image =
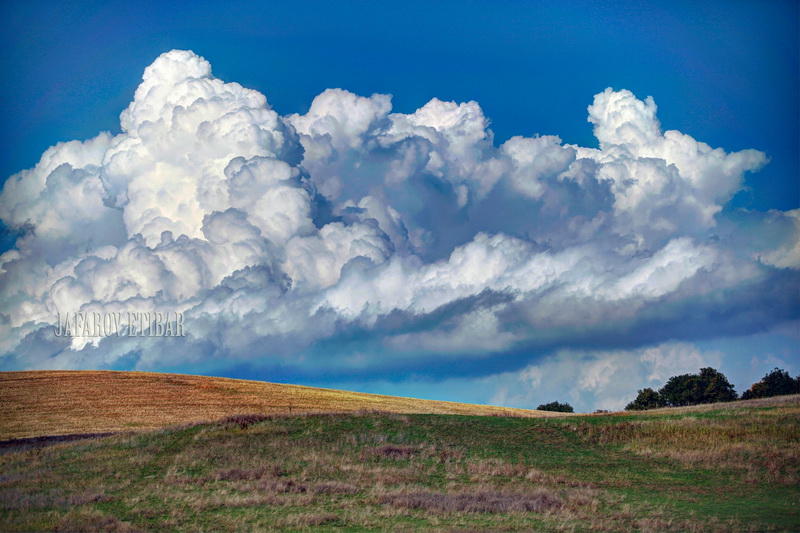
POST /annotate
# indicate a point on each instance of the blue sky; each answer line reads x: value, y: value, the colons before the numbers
x: 391, y: 244
x: 724, y: 72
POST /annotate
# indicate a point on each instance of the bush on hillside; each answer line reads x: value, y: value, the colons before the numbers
x: 555, y: 406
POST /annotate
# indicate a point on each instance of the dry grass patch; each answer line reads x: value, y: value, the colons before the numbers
x: 391, y: 451
x: 242, y: 474
x: 479, y: 470
x: 765, y: 444
x: 93, y: 521
x: 334, y: 487
x: 482, y: 501
x: 24, y: 500
x: 234, y: 500
x: 305, y: 520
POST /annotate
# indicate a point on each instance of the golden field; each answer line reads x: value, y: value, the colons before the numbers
x: 63, y: 402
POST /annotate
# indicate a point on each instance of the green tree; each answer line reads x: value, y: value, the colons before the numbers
x: 708, y: 386
x: 716, y: 387
x: 555, y: 406
x: 645, y: 399
x: 681, y: 390
x: 774, y: 383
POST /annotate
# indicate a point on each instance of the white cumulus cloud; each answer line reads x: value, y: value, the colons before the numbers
x: 413, y: 240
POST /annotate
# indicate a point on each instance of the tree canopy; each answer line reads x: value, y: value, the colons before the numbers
x: 775, y: 383
x: 645, y: 399
x: 708, y: 386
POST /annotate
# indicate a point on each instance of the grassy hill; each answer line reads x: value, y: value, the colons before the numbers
x: 61, y: 402
x: 725, y: 467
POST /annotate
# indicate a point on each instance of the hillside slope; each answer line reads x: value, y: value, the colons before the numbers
x: 62, y: 402
x: 724, y: 469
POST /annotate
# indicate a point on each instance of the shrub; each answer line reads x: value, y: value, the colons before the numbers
x: 555, y: 406
x: 646, y: 399
x: 775, y: 383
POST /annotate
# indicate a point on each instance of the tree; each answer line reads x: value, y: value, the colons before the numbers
x: 645, y: 399
x: 555, y: 406
x: 681, y: 390
x: 708, y: 386
x: 717, y: 388
x: 774, y: 383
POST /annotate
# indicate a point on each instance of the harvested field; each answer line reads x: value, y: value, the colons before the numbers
x: 38, y: 403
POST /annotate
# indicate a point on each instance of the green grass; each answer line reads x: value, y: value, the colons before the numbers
x: 726, y: 470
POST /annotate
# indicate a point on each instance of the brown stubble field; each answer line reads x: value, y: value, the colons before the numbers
x: 57, y: 402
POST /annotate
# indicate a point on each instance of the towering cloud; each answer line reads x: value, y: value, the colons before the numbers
x: 353, y: 241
